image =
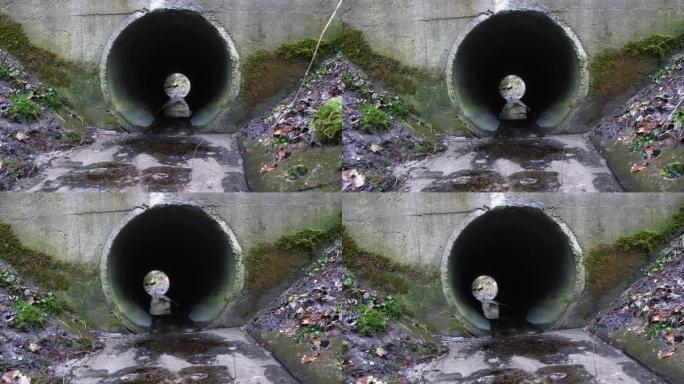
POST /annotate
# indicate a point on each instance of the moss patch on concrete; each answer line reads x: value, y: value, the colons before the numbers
x: 614, y: 72
x: 610, y: 265
x: 77, y: 286
x: 77, y: 85
x: 418, y: 290
x: 266, y: 73
x: 268, y: 265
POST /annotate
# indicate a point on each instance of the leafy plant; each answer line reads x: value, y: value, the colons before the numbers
x: 296, y: 172
x: 28, y: 317
x: 373, y: 119
x: 673, y: 171
x: 371, y: 321
x: 327, y: 122
x: 23, y: 109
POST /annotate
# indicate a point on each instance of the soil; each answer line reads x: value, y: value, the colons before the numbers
x: 35, y: 353
x: 319, y: 315
x: 26, y: 147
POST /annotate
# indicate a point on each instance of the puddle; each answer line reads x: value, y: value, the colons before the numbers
x: 166, y: 179
x: 167, y: 149
x: 542, y: 348
x: 519, y: 150
x: 535, y: 181
x: 183, y: 346
x: 106, y: 176
x: 560, y: 374
x: 469, y: 181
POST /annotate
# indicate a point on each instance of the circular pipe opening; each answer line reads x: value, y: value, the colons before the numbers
x: 543, y: 53
x: 533, y: 259
x: 150, y: 47
x: 196, y: 252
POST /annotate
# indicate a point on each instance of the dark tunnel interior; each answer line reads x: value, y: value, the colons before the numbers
x: 524, y: 43
x: 186, y: 244
x: 529, y: 256
x: 157, y: 45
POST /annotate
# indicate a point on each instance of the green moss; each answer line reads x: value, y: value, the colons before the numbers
x: 673, y: 171
x: 390, y: 72
x: 371, y: 321
x: 46, y: 65
x: 269, y: 265
x: 23, y: 109
x: 28, y: 317
x: 373, y: 119
x: 608, y: 265
x: 296, y: 172
x: 615, y: 71
x: 304, y: 49
x: 327, y: 122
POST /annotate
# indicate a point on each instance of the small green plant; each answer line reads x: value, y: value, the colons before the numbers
x: 373, y: 119
x: 49, y: 99
x: 304, y: 334
x: 371, y: 321
x: 50, y: 304
x: 640, y: 141
x: 659, y: 264
x: 391, y: 308
x: 28, y: 317
x: 318, y: 265
x: 296, y: 172
x: 657, y: 330
x: 673, y: 171
x: 327, y: 122
x: 398, y: 107
x: 23, y: 109
x: 5, y: 72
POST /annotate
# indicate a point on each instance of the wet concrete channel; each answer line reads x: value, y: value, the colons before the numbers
x: 216, y: 356
x: 147, y: 163
x: 562, y: 163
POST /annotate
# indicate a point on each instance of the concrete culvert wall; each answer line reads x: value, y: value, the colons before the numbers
x: 197, y: 252
x: 149, y: 47
x: 529, y: 44
x: 534, y: 260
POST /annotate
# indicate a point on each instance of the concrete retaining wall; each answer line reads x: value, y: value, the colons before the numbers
x: 415, y: 228
x: 75, y: 227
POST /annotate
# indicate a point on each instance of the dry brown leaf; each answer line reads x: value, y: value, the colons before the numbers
x: 283, y: 130
x: 21, y: 136
x: 33, y: 347
x: 283, y: 153
x: 636, y: 168
x: 365, y: 380
x: 310, y: 320
x: 310, y: 359
x: 376, y: 148
x: 665, y: 355
x: 268, y: 169
x: 381, y: 352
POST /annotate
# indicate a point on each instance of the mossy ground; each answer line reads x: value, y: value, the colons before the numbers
x: 614, y: 72
x: 77, y: 85
x: 610, y: 265
x: 268, y: 265
x: 77, y: 286
x: 327, y: 122
x: 417, y: 290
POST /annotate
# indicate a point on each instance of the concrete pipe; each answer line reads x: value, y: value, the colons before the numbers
x: 534, y: 259
x: 149, y: 47
x: 529, y: 44
x: 197, y: 252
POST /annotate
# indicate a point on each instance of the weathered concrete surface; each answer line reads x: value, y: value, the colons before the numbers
x: 415, y: 228
x: 567, y: 163
x: 217, y: 356
x: 570, y: 356
x: 146, y: 163
x: 79, y: 29
x: 421, y: 32
x: 75, y: 227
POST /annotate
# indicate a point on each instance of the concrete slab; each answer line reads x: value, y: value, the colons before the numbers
x: 147, y: 163
x: 567, y: 163
x: 217, y: 356
x: 569, y: 356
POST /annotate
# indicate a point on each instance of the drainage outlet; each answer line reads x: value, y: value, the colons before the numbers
x: 546, y: 55
x: 150, y: 47
x: 176, y: 253
x: 533, y: 259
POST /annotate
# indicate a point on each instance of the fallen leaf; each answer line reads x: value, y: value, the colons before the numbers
x: 365, y: 380
x: 310, y: 359
x: 268, y: 169
x: 310, y: 320
x: 33, y: 347
x: 380, y: 352
x: 636, y: 168
x: 352, y: 178
x: 665, y: 355
x: 283, y: 130
x: 21, y: 136
x: 283, y: 153
x: 376, y: 148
